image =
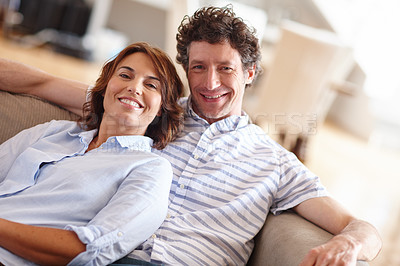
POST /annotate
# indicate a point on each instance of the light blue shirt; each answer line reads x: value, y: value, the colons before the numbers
x: 227, y: 177
x: 114, y: 197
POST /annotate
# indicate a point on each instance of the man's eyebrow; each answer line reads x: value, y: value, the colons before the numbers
x: 133, y: 71
x: 196, y: 61
x: 225, y: 62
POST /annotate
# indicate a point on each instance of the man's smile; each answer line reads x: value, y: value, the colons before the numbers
x: 213, y: 96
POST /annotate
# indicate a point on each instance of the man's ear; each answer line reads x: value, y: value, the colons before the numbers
x: 251, y: 73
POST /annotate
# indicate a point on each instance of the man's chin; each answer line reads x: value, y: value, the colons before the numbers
x: 210, y: 114
x: 212, y: 117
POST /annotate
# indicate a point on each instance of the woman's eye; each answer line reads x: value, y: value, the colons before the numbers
x: 125, y: 76
x: 150, y: 85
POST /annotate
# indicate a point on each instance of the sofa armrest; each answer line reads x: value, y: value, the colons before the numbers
x: 285, y: 239
x: 19, y: 111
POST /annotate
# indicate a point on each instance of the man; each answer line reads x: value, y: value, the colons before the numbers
x: 227, y: 173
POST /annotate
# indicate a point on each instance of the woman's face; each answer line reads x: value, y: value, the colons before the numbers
x: 133, y: 95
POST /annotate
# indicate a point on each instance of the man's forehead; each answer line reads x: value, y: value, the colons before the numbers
x: 223, y: 53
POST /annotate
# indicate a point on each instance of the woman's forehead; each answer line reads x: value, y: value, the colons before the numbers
x: 139, y: 62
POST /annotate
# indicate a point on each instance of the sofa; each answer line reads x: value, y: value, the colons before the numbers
x: 284, y: 239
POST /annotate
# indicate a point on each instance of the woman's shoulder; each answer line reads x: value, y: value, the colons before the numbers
x: 63, y: 125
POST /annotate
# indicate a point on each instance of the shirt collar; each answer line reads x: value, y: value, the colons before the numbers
x: 136, y: 142
x: 139, y: 143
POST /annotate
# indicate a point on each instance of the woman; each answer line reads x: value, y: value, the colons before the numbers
x: 90, y: 192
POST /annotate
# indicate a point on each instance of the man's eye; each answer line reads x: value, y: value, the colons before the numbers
x: 197, y: 67
x: 227, y: 69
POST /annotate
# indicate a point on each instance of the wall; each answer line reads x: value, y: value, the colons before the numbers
x: 302, y: 11
x: 138, y: 21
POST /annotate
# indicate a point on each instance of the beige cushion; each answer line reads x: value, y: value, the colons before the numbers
x: 18, y: 112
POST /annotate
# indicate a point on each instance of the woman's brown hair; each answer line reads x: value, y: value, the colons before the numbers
x: 162, y: 129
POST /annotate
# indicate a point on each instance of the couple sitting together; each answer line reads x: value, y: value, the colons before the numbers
x: 148, y: 177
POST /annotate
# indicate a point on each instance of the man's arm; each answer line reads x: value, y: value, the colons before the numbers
x: 42, y: 245
x: 19, y: 78
x: 354, y: 239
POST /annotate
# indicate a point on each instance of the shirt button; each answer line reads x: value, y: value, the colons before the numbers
x: 120, y: 234
x: 182, y: 186
x: 112, y: 140
x: 153, y: 236
x: 196, y: 157
x: 168, y: 216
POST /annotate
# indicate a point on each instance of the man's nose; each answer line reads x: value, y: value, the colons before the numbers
x: 213, y: 79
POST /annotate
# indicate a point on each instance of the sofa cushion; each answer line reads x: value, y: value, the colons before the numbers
x: 20, y: 111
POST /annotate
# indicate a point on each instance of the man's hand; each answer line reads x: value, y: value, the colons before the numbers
x: 340, y: 250
x: 354, y: 239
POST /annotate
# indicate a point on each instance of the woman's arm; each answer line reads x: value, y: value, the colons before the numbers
x: 42, y: 245
x: 131, y: 216
x: 20, y: 78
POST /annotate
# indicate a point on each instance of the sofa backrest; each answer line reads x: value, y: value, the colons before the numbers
x: 20, y: 111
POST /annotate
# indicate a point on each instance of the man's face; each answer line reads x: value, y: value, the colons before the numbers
x: 216, y: 80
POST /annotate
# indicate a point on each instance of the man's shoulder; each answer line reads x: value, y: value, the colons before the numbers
x: 183, y: 101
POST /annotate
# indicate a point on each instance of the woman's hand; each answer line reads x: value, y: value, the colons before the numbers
x: 41, y: 245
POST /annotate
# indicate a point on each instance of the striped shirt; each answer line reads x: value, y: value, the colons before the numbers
x: 227, y: 177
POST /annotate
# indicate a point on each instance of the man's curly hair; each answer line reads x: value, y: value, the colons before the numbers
x: 217, y: 25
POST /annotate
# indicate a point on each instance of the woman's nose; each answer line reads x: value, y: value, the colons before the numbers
x: 136, y: 89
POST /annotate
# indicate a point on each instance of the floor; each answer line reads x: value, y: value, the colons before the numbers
x: 363, y: 177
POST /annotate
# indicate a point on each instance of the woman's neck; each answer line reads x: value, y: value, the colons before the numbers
x: 110, y: 128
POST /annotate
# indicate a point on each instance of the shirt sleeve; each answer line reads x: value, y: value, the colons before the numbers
x: 296, y: 184
x: 132, y: 215
x: 13, y: 147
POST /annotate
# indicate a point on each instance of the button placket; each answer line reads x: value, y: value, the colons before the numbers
x: 191, y: 166
x: 192, y: 162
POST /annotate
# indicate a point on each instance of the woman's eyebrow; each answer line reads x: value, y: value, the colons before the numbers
x: 127, y: 68
x: 133, y: 71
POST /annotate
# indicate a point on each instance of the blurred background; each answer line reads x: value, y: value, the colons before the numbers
x: 328, y: 91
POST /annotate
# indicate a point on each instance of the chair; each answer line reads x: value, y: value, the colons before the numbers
x: 293, y: 98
